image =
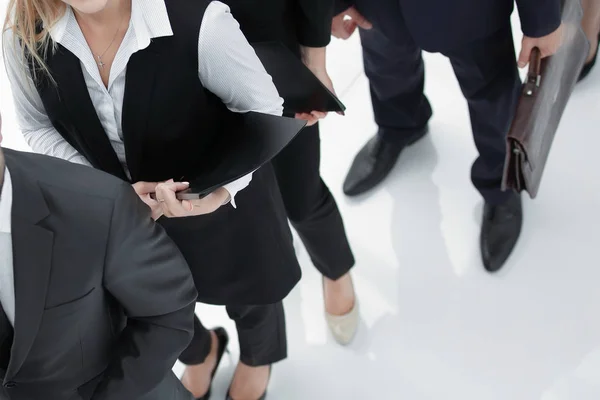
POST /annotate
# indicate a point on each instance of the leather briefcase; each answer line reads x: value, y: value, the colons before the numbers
x: 546, y: 91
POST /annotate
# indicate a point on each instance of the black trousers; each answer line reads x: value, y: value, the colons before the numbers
x: 261, y: 332
x: 487, y: 73
x: 310, y: 206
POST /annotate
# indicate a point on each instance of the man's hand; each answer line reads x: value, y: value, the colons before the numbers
x: 144, y: 190
x: 548, y: 45
x: 344, y: 24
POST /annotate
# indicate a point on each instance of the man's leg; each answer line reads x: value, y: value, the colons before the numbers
x: 395, y: 69
x: 487, y: 72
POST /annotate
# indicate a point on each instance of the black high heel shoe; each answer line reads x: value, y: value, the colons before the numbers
x: 264, y: 395
x: 223, y: 341
x: 587, y: 68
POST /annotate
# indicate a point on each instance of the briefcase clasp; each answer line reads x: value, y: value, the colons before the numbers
x: 533, y: 82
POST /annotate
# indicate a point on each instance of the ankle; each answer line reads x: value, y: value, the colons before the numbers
x: 214, y: 342
x: 342, y: 285
x: 249, y: 382
x: 593, y: 51
x: 339, y: 295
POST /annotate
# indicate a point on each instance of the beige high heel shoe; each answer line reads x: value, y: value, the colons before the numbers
x: 343, y: 327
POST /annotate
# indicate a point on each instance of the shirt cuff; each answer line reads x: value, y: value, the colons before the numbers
x: 236, y: 186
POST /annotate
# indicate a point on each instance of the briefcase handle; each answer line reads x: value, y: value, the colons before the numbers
x: 534, y: 76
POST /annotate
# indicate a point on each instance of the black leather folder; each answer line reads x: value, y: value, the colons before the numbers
x: 300, y: 89
x: 247, y: 142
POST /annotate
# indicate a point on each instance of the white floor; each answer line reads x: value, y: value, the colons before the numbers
x: 435, y: 325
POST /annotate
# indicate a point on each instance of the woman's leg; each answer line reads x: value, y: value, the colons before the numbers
x: 262, y: 336
x: 591, y: 24
x: 314, y: 214
x: 200, y: 358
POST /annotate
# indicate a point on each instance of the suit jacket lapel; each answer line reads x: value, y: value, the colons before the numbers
x: 137, y: 103
x: 88, y: 133
x: 32, y: 259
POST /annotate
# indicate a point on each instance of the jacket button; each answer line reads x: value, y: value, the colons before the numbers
x: 10, y: 385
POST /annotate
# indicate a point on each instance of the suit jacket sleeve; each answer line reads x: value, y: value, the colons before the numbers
x: 148, y: 276
x: 314, y: 22
x: 539, y: 17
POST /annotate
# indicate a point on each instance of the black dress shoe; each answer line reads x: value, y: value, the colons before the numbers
x: 223, y: 340
x: 587, y: 68
x: 500, y: 231
x: 374, y: 162
x: 264, y: 395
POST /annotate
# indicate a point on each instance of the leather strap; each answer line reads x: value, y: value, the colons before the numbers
x: 535, y: 62
x: 534, y: 76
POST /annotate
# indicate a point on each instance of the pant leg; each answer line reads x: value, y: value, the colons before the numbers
x: 394, y: 66
x: 199, y: 347
x: 261, y: 331
x: 487, y: 72
x: 310, y: 206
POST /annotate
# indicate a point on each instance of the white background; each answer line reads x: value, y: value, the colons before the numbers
x: 434, y: 324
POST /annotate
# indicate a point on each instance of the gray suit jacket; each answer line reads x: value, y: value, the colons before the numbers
x: 104, y: 300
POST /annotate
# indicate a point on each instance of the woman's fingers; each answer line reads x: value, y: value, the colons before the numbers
x: 312, y: 118
x: 166, y: 195
x: 210, y: 203
x: 318, y: 114
x: 142, y: 188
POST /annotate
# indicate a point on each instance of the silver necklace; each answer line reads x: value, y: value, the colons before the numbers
x: 99, y: 61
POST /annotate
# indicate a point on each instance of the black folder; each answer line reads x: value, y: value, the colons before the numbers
x: 300, y: 89
x: 247, y: 142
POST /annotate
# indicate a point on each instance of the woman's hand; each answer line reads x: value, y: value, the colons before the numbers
x: 144, y: 190
x: 174, y: 208
x: 314, y: 58
x: 312, y: 118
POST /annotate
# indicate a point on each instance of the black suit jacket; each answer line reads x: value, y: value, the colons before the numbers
x: 104, y: 300
x: 313, y: 22
x: 293, y: 22
x: 441, y: 25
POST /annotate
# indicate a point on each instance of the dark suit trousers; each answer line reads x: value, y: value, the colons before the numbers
x: 310, y: 206
x: 487, y: 73
x: 261, y: 332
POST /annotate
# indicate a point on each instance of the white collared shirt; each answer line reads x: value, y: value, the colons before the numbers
x: 227, y: 66
x: 7, y: 283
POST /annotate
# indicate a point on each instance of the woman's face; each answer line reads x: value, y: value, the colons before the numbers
x: 87, y: 6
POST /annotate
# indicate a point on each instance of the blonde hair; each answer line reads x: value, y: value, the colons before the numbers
x: 30, y: 22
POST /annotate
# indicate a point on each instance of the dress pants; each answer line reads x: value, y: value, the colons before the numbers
x: 486, y: 70
x: 310, y: 206
x: 261, y: 331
